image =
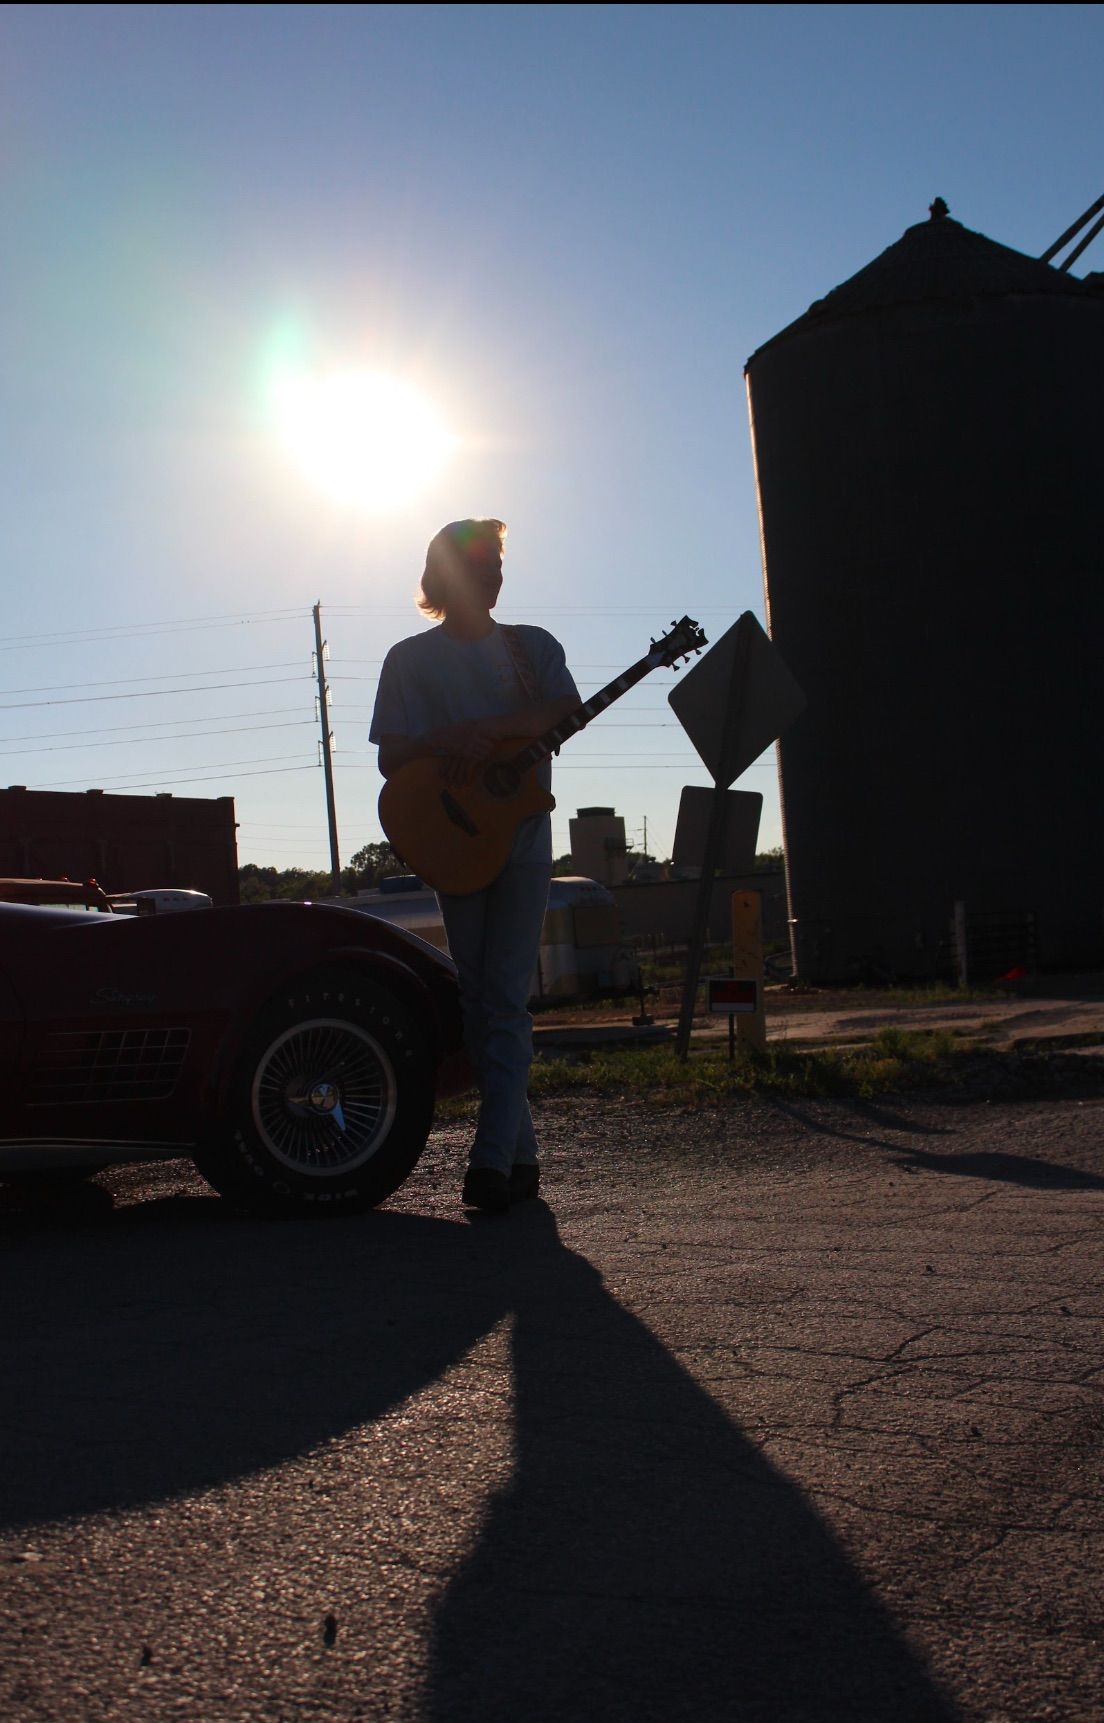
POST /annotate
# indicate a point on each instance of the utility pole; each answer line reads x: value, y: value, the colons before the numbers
x: 327, y: 747
x: 646, y: 837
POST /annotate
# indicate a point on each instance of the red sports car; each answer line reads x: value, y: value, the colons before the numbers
x: 293, y: 1050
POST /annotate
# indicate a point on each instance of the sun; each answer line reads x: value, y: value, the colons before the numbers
x: 368, y: 440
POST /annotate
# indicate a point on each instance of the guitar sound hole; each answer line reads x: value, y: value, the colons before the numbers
x: 457, y: 815
x: 501, y: 779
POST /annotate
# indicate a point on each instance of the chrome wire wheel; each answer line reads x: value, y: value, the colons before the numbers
x: 324, y: 1097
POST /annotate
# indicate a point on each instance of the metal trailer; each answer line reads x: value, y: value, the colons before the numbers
x: 928, y: 463
x: 582, y: 952
x: 155, y: 900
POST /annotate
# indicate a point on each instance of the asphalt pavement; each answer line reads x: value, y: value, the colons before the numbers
x: 785, y: 1413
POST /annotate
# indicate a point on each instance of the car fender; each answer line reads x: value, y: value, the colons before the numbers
x: 12, y: 1030
x: 376, y: 965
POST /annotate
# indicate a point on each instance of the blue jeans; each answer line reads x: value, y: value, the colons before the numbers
x: 493, y: 937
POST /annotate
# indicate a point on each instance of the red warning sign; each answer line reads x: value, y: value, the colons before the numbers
x: 729, y: 996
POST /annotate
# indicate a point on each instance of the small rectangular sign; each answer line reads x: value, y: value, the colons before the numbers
x: 740, y: 832
x: 729, y: 996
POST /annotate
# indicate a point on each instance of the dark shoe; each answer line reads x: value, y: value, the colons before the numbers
x: 524, y: 1182
x: 487, y: 1189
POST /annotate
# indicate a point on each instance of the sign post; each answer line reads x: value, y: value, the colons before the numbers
x: 732, y: 705
x: 734, y: 997
x: 734, y: 695
x: 747, y: 959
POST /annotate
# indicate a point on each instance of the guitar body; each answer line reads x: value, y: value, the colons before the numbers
x: 458, y: 837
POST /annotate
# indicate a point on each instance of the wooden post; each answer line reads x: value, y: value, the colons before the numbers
x: 327, y: 755
x: 962, y: 953
x: 747, y: 962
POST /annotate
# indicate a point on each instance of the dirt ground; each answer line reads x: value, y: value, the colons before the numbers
x: 1061, y: 1011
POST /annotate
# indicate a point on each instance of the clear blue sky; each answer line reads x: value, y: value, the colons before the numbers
x: 569, y: 225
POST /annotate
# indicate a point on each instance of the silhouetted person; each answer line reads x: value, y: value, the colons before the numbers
x: 454, y: 692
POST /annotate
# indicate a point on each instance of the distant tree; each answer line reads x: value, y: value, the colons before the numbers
x: 769, y: 861
x: 262, y: 884
x: 373, y: 863
x: 366, y: 868
x: 564, y: 865
x: 634, y: 856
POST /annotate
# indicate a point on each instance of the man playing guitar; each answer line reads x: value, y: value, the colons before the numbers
x: 454, y: 692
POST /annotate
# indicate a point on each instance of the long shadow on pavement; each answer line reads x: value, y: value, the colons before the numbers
x: 811, y: 1116
x: 645, y: 1562
x: 1007, y: 1169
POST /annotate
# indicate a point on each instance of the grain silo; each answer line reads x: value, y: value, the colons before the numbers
x: 928, y: 453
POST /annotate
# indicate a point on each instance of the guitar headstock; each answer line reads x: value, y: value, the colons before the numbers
x: 681, y: 639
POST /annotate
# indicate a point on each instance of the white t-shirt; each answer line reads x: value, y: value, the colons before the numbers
x: 431, y: 679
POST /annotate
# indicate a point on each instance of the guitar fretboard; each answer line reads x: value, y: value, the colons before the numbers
x: 581, y: 717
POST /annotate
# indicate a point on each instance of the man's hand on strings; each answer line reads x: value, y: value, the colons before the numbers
x: 465, y: 747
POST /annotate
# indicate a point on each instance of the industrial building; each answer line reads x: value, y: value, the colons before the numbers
x: 928, y: 462
x: 598, y: 847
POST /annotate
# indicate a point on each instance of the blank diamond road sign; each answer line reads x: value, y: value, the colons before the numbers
x: 768, y: 703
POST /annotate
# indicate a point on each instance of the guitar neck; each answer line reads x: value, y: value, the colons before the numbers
x: 578, y: 720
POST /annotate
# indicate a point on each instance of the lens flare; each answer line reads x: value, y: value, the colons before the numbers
x: 368, y: 440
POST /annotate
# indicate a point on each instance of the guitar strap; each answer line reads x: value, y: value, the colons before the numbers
x: 523, y: 664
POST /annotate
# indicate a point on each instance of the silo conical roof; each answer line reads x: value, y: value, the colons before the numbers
x: 936, y: 259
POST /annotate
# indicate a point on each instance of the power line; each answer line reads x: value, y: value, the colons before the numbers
x: 220, y: 778
x: 149, y: 694
x: 372, y: 681
x: 606, y: 756
x: 576, y: 664
x: 109, y: 631
x: 674, y: 725
x: 114, y: 729
x: 278, y: 826
x: 284, y: 842
x: 647, y: 766
x: 613, y: 763
x: 345, y: 709
x: 538, y: 609
x: 146, y: 741
x: 223, y: 768
x: 285, y: 848
x: 166, y: 676
x: 641, y: 763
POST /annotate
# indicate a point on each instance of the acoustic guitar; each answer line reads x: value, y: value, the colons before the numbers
x: 458, y: 837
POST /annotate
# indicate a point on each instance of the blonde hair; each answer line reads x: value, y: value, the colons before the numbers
x: 452, y: 549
